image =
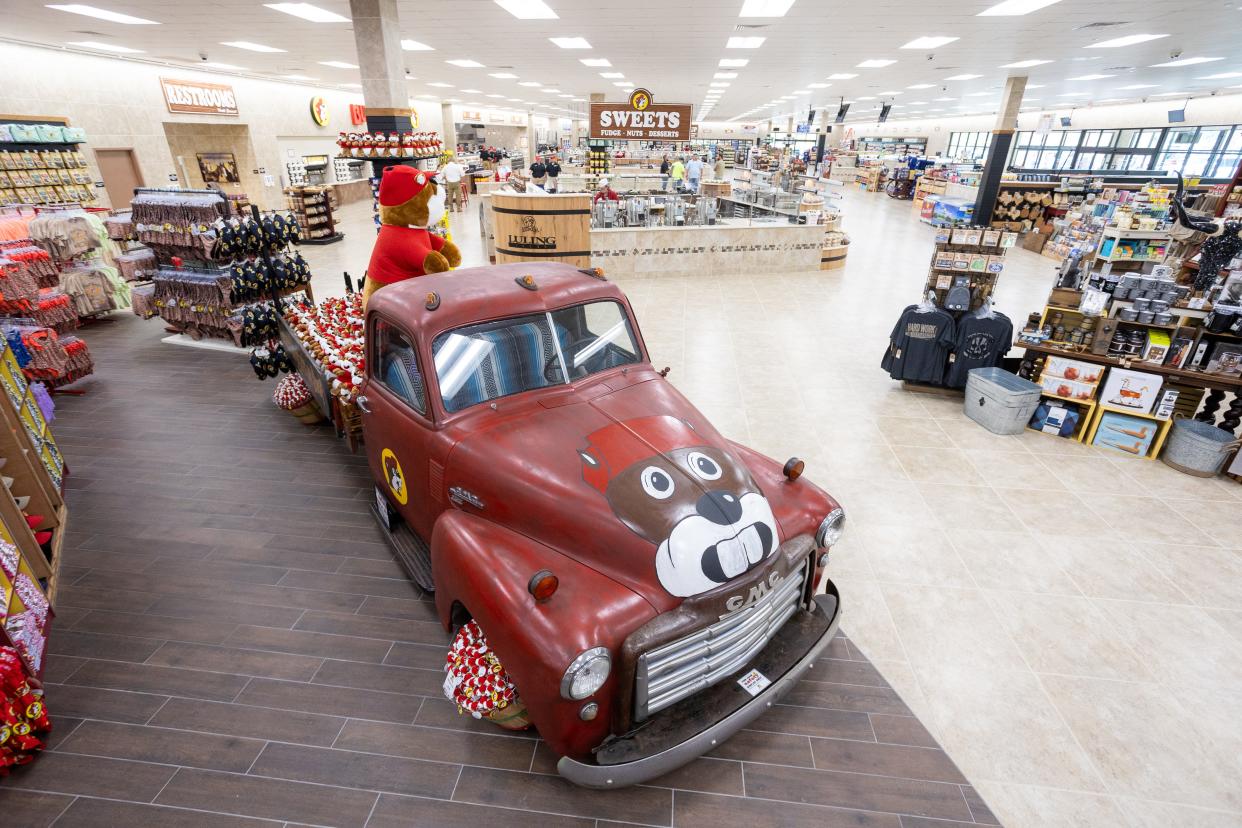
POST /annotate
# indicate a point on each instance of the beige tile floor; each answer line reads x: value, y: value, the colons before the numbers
x: 1064, y: 619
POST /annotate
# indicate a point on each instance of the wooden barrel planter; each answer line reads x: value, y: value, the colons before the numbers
x: 833, y: 258
x: 546, y: 228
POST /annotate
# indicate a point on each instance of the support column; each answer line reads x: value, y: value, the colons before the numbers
x: 998, y: 152
x: 377, y: 36
x: 448, y: 127
x: 530, y: 137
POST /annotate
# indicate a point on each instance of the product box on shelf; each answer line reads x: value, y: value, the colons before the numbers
x: 1067, y: 389
x: 1168, y: 401
x: 1072, y: 369
x: 1053, y: 418
x: 1135, y: 390
x: 1121, y: 432
x: 1157, y: 347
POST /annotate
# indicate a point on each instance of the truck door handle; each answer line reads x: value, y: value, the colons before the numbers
x: 362, y: 404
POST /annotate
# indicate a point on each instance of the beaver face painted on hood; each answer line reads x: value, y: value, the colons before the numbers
x: 696, y: 503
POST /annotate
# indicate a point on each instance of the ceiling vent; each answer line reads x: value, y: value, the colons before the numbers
x: 750, y: 27
x: 1101, y: 25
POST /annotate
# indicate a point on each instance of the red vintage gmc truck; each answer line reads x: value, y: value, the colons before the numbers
x: 649, y: 585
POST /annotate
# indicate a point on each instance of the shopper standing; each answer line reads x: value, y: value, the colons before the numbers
x: 694, y: 173
x: 451, y: 174
x: 664, y: 168
x: 720, y: 168
x: 678, y: 174
x: 538, y: 171
x: 554, y: 173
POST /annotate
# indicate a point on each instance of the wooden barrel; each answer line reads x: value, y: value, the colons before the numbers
x: 542, y: 228
x: 833, y: 258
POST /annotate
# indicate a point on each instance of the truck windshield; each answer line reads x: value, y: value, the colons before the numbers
x: 495, y: 359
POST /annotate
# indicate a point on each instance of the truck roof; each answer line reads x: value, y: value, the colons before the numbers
x: 477, y: 294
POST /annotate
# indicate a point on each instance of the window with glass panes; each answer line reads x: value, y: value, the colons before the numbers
x: 1200, y: 151
x: 968, y: 146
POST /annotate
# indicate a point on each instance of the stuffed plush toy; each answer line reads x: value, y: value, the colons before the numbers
x: 410, y: 202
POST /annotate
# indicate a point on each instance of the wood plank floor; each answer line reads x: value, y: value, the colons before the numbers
x: 235, y: 646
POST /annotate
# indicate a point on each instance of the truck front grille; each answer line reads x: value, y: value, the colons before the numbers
x: 673, y: 671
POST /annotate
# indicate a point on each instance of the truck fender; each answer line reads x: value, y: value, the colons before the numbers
x: 799, y: 505
x: 487, y: 568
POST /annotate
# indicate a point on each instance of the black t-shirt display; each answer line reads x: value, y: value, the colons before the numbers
x: 919, y: 345
x: 980, y: 342
x: 538, y: 170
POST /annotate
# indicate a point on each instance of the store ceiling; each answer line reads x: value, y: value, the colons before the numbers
x: 673, y: 47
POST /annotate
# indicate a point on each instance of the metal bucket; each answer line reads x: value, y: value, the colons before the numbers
x: 1198, y: 448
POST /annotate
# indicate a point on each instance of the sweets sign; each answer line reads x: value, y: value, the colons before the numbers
x: 640, y: 119
x: 199, y: 98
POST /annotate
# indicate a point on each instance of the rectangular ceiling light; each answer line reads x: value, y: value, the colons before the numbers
x: 495, y: 96
x: 550, y: 90
x: 765, y: 8
x: 1091, y: 77
x: 745, y: 42
x: 818, y: 85
x: 611, y: 75
x: 415, y: 46
x: 337, y: 64
x: 441, y: 85
x: 879, y: 63
x: 962, y: 77
x: 250, y: 47
x: 719, y: 84
x: 1128, y: 40
x: 527, y: 9
x: 1188, y: 61
x: 465, y: 63
x: 308, y: 12
x: 1013, y: 8
x: 929, y: 42
x: 502, y: 75
x: 724, y: 75
x: 1140, y: 86
x: 472, y: 91
x: 594, y: 62
x: 733, y: 63
x: 921, y: 86
x: 530, y: 83
x: 1024, y: 64
x: 105, y: 47
x: 571, y: 42
x: 104, y: 14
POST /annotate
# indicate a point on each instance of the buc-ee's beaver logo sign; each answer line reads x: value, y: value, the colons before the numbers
x: 696, y: 503
x: 394, y: 476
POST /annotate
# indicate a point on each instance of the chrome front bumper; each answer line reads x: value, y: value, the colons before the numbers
x: 657, y: 764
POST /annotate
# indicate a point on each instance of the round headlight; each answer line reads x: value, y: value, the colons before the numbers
x: 586, y: 674
x: 829, y: 532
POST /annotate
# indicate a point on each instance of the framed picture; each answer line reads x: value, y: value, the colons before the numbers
x: 217, y: 167
x: 1231, y: 291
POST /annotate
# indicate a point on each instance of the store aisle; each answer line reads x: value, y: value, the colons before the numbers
x: 234, y: 643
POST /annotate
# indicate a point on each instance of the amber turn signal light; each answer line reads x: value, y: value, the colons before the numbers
x: 793, y: 468
x: 527, y: 282
x: 542, y: 585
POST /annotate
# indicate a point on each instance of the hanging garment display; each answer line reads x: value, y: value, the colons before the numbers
x: 919, y: 345
x: 981, y: 341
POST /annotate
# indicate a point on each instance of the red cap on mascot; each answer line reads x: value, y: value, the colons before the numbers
x: 401, y: 183
x: 617, y: 446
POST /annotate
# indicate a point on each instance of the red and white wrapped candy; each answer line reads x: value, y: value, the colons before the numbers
x: 475, y: 680
x: 291, y: 392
